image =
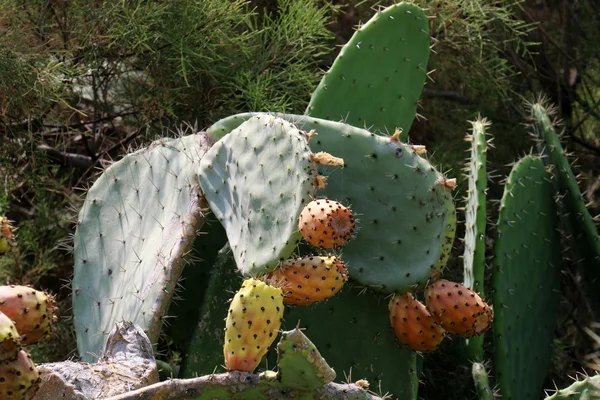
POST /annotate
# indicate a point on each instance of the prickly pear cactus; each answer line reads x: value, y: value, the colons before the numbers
x: 580, y: 226
x: 257, y: 180
x: 583, y: 389
x: 526, y: 270
x: 138, y: 222
x: 475, y: 221
x: 385, y: 61
x: 408, y: 220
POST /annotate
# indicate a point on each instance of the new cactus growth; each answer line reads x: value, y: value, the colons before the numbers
x: 526, y: 271
x: 32, y: 311
x: 10, y: 341
x: 252, y: 324
x: 17, y: 376
x: 413, y: 324
x: 458, y: 309
x: 326, y: 224
x: 309, y: 279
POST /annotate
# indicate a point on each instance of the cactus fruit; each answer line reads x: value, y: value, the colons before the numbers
x: 10, y: 341
x: 17, y: 376
x: 7, y: 238
x: 458, y: 309
x: 326, y: 224
x: 32, y: 311
x: 252, y: 324
x: 310, y: 279
x: 256, y: 180
x: 413, y: 324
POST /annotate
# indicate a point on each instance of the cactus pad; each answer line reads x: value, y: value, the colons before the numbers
x: 257, y: 180
x: 583, y: 389
x: 526, y: 271
x: 139, y: 220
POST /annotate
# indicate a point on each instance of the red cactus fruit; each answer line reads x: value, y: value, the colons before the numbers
x: 17, y: 376
x: 32, y: 311
x: 413, y: 324
x: 10, y: 341
x: 458, y: 309
x: 326, y: 224
x: 308, y: 280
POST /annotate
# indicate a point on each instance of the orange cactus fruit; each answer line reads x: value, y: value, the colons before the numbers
x: 326, y: 224
x: 458, y: 309
x: 413, y: 324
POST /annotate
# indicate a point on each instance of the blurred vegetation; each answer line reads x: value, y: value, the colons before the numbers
x: 84, y: 82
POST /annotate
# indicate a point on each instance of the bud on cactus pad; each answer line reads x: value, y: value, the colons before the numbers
x: 311, y: 279
x: 413, y: 324
x: 32, y: 311
x: 9, y: 339
x: 326, y: 224
x: 17, y: 376
x: 458, y: 309
x: 252, y: 323
x: 7, y: 239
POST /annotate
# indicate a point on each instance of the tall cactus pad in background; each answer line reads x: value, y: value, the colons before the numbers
x: 475, y: 219
x: 584, y: 389
x: 526, y: 271
x: 405, y: 209
x: 138, y: 221
x: 581, y: 228
x: 257, y: 180
x: 384, y: 62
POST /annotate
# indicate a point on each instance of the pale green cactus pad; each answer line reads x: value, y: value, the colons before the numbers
x: 138, y: 222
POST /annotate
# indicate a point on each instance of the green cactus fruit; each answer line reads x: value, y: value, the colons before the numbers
x: 252, y: 324
x: 407, y: 212
x: 257, y: 179
x: 587, y: 388
x: 377, y: 79
x: 136, y: 228
x: 10, y: 341
x: 300, y: 364
x: 475, y: 220
x: 326, y: 224
x: 458, y: 309
x: 307, y: 280
x: 32, y: 311
x: 7, y: 237
x: 413, y: 324
x: 482, y: 382
x: 525, y: 277
x: 18, y: 376
x: 579, y: 224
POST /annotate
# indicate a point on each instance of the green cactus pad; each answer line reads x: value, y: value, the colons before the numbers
x: 584, y: 389
x: 138, y: 221
x: 377, y: 79
x: 301, y: 366
x: 475, y: 219
x: 256, y: 179
x: 580, y: 225
x: 406, y: 216
x: 526, y: 271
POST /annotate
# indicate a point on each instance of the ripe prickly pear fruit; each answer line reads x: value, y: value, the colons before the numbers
x: 458, y: 309
x: 7, y: 238
x: 326, y: 224
x: 413, y: 324
x: 252, y: 324
x: 10, y: 341
x: 17, y: 376
x: 32, y: 311
x: 308, y: 280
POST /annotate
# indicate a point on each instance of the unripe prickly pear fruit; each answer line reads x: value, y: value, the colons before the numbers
x: 458, y: 309
x: 326, y: 224
x: 10, y: 341
x: 17, y: 376
x: 32, y: 311
x: 413, y: 324
x: 7, y: 238
x: 310, y: 279
x: 252, y: 324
